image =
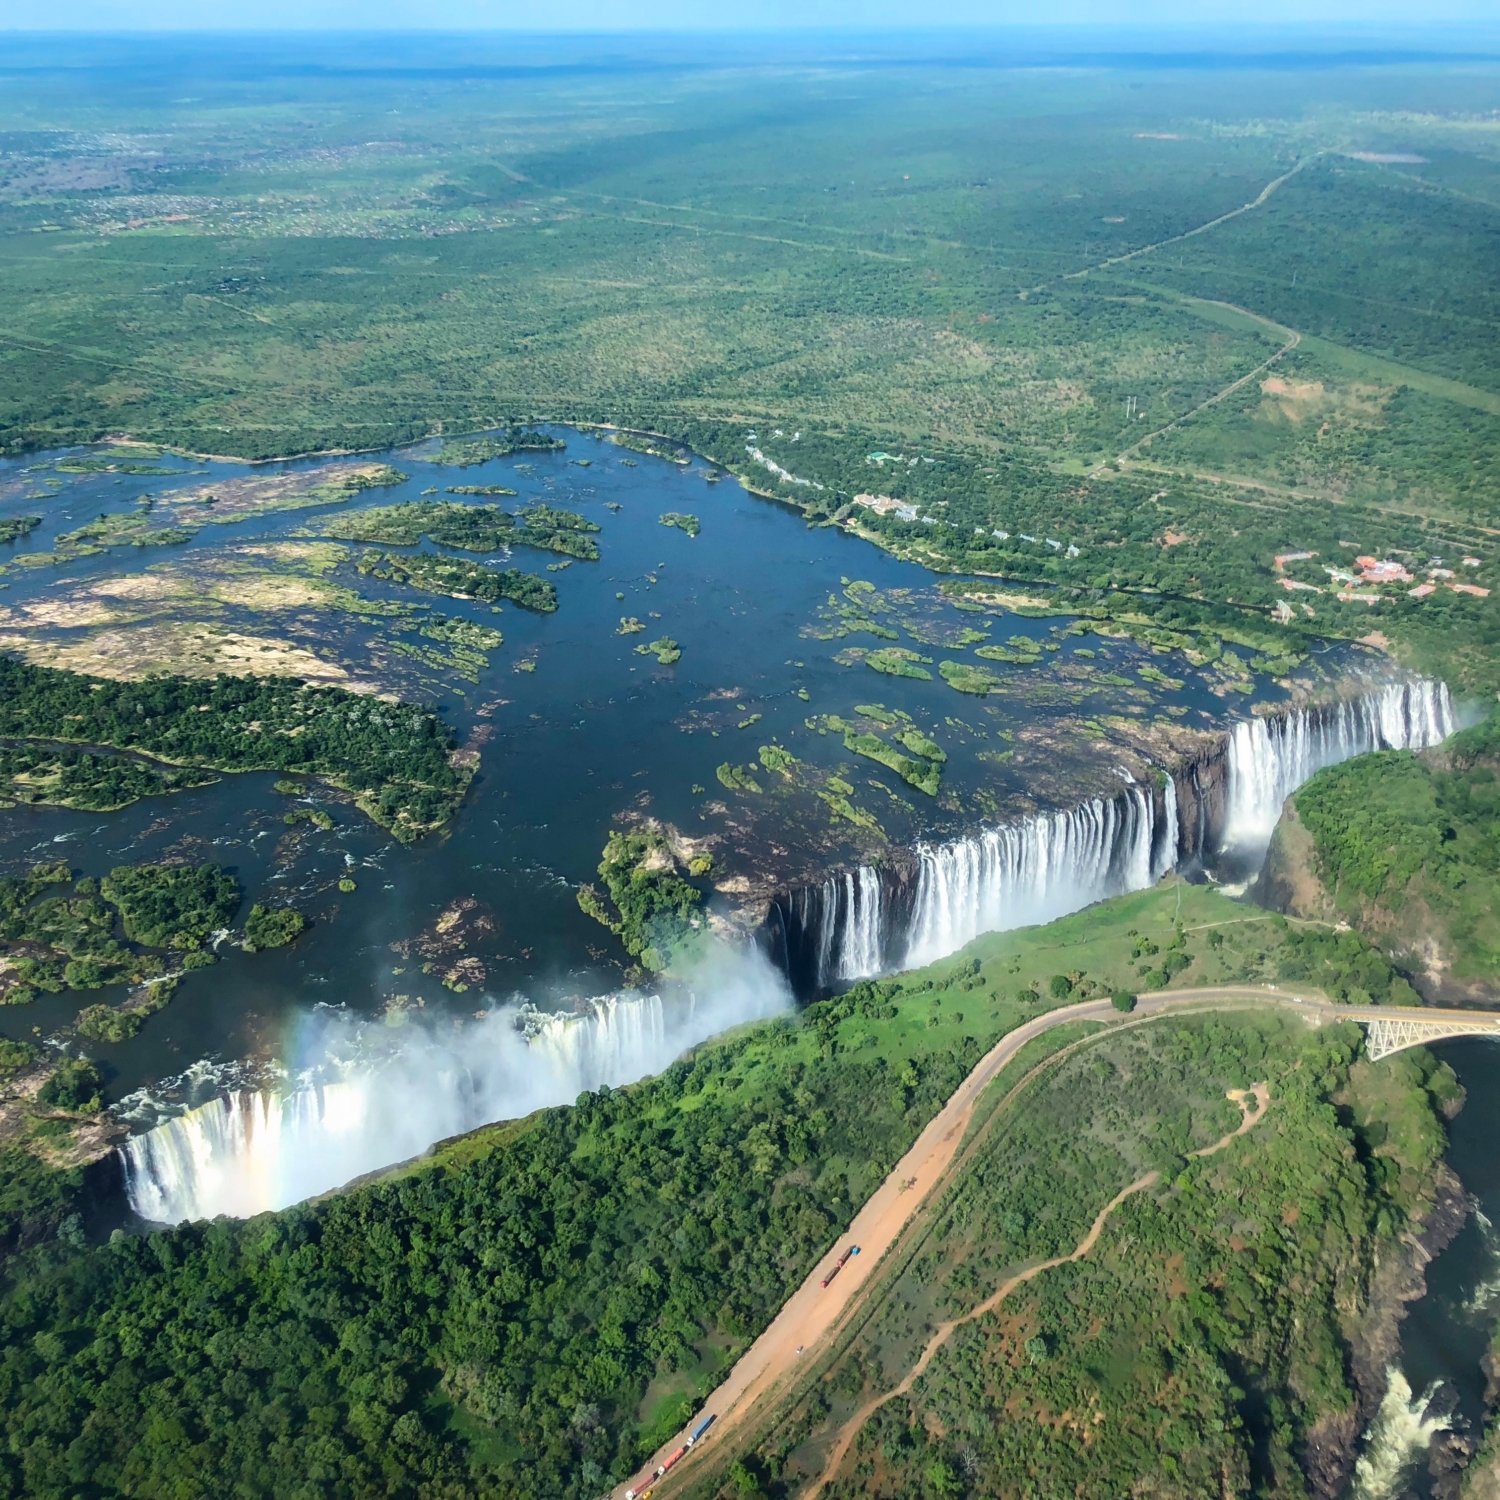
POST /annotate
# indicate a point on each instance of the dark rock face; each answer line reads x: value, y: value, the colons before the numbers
x: 1394, y: 1282
x: 1202, y: 803
x: 804, y: 928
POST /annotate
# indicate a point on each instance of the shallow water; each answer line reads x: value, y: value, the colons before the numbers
x: 595, y: 731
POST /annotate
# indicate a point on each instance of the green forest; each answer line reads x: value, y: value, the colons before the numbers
x: 396, y: 759
x: 1404, y: 847
x: 1168, y: 1357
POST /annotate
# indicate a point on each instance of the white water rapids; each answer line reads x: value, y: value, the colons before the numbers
x: 1401, y: 1432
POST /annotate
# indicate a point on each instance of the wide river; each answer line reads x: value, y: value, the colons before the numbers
x: 575, y: 728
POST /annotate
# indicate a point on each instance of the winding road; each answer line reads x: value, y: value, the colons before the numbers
x: 811, y: 1313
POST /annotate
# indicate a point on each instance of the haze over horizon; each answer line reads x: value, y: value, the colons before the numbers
x: 603, y: 16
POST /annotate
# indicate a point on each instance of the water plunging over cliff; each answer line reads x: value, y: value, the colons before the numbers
x: 249, y: 1151
x: 1269, y: 758
x: 1220, y: 809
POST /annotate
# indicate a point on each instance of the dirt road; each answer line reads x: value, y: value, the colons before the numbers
x: 1252, y: 1103
x: 812, y: 1310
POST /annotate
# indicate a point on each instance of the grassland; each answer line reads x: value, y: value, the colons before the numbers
x: 1131, y: 328
x: 1188, y: 305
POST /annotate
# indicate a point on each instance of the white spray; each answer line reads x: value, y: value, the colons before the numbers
x: 1401, y: 1433
x: 251, y: 1151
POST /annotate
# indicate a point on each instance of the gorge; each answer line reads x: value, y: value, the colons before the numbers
x: 248, y: 1151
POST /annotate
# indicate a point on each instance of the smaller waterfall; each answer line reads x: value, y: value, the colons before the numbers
x: 252, y: 1150
x: 860, y: 952
x: 1270, y: 758
x: 1399, y: 1436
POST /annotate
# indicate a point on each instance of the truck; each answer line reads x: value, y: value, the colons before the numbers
x: 644, y: 1486
x: 671, y: 1459
x: 840, y: 1263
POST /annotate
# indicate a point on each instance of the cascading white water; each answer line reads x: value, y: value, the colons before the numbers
x: 1037, y: 870
x: 859, y: 952
x: 1056, y: 863
x: 1270, y: 758
x: 1400, y: 1434
x: 251, y: 1151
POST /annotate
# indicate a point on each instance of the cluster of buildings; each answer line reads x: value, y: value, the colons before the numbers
x: 1379, y: 572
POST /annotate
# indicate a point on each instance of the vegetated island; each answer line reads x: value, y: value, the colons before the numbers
x: 142, y: 925
x: 682, y: 521
x: 397, y: 760
x: 463, y: 454
x: 474, y: 528
x: 457, y: 578
x: 648, y: 901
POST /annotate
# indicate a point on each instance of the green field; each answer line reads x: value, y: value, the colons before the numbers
x: 1176, y: 319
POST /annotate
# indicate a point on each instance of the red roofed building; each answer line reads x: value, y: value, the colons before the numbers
x: 1374, y: 570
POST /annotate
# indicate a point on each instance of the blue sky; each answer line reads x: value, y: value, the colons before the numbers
x: 637, y: 15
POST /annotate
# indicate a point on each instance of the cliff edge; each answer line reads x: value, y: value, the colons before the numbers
x: 1406, y: 849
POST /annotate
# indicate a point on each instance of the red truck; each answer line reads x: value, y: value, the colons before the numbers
x: 671, y: 1459
x: 840, y: 1263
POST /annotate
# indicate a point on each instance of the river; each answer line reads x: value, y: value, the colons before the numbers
x: 1438, y: 1383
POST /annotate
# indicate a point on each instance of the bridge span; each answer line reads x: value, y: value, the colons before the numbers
x: 1391, y: 1028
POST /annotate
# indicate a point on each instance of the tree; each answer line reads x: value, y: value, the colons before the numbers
x: 272, y: 926
x: 1123, y: 1001
x: 1059, y: 986
x: 74, y: 1085
x: 744, y: 1474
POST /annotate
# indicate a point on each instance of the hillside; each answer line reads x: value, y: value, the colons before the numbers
x: 1402, y: 846
x: 537, y: 1306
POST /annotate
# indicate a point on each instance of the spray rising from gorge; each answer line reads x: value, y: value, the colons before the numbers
x: 252, y: 1151
x: 369, y: 1100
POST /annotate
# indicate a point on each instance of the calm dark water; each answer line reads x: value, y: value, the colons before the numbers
x: 593, y: 732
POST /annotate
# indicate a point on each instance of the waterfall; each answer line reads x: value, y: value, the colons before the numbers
x: 251, y: 1150
x: 1034, y: 871
x: 863, y: 922
x: 1270, y: 758
x: 860, y: 952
